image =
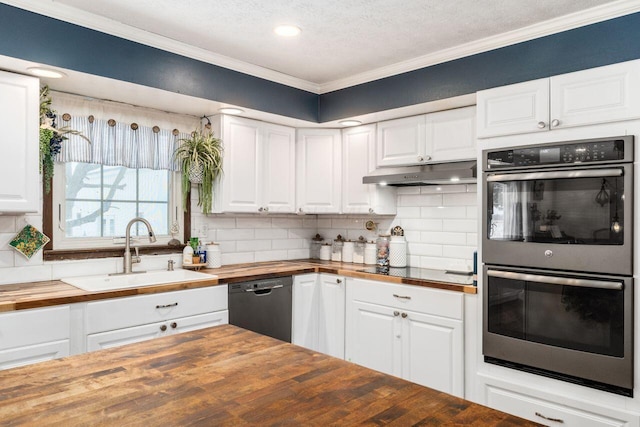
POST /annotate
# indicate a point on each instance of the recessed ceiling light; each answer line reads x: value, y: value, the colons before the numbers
x: 287, y: 30
x: 46, y: 72
x: 231, y: 110
x: 350, y: 122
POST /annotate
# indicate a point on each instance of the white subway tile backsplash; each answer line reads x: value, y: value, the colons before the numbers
x: 7, y: 224
x: 236, y: 234
x: 442, y: 263
x: 286, y: 223
x: 298, y: 254
x: 301, y: 233
x: 271, y: 256
x: 7, y: 258
x: 407, y: 190
x: 288, y: 244
x: 460, y: 225
x: 61, y: 269
x: 472, y: 239
x: 444, y: 238
x: 443, y: 212
x: 254, y: 222
x: 421, y: 200
x: 472, y: 212
x: 422, y: 224
x: 449, y: 188
x: 310, y: 223
x: 323, y: 223
x: 253, y: 245
x: 238, y: 258
x: 217, y: 222
x: 228, y: 246
x: 35, y: 273
x: 271, y: 233
x: 465, y: 252
x: 22, y: 261
x: 424, y: 249
x: 459, y: 199
x: 408, y: 211
x: 472, y: 188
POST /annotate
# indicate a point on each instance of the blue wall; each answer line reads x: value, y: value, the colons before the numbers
x: 37, y: 38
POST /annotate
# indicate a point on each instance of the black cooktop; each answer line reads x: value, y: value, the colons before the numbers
x: 464, y: 278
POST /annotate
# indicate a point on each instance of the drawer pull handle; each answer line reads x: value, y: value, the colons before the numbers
x: 555, y: 420
x: 167, y: 305
x: 401, y: 296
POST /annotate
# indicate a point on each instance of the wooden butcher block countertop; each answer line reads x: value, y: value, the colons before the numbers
x: 224, y: 376
x: 54, y: 292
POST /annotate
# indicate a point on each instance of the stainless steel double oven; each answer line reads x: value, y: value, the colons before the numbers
x: 558, y: 254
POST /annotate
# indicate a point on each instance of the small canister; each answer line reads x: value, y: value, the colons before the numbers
x: 397, y: 248
x: 347, y: 251
x: 358, y: 251
x: 370, y: 253
x: 336, y: 250
x: 214, y: 255
x: 382, y: 250
x: 316, y: 242
x: 325, y: 251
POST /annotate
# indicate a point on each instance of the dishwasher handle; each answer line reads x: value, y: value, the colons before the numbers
x: 258, y: 291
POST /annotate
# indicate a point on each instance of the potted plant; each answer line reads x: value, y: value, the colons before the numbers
x: 200, y: 157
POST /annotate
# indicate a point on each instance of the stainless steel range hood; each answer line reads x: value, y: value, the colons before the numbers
x: 433, y: 174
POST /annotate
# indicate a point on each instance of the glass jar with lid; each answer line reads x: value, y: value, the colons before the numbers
x: 382, y: 251
x: 316, y: 242
x: 336, y: 251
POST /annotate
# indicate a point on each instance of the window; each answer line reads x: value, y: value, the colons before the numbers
x: 94, y: 203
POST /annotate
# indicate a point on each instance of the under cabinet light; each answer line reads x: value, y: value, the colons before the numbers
x: 287, y: 30
x: 350, y: 122
x: 231, y: 110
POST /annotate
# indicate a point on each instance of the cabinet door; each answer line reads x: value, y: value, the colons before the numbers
x: 451, y: 134
x: 241, y: 184
x: 358, y: 159
x: 278, y: 169
x: 319, y: 167
x: 513, y: 109
x: 598, y: 95
x: 124, y: 336
x: 201, y: 321
x: 401, y: 142
x: 30, y: 354
x: 304, y: 329
x: 373, y: 337
x: 331, y: 315
x: 433, y: 352
x: 19, y: 121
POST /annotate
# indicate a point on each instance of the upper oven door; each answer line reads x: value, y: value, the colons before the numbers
x: 577, y: 219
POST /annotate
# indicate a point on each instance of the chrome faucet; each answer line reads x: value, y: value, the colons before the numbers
x: 128, y: 259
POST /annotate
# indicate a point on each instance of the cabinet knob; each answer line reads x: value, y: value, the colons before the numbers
x: 420, y: 159
x: 555, y: 123
x: 371, y: 210
x: 542, y: 125
x: 163, y: 328
x: 300, y: 210
x: 427, y: 158
x: 396, y: 313
x: 174, y: 325
x: 405, y: 315
x: 266, y: 209
x: 338, y: 280
x: 260, y: 209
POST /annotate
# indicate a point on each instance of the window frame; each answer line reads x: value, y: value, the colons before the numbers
x: 57, y: 212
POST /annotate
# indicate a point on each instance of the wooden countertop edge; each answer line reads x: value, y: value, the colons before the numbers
x: 23, y: 296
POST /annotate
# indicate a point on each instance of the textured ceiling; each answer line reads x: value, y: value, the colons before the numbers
x: 340, y: 38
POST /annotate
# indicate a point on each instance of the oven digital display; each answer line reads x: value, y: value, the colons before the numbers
x: 549, y: 155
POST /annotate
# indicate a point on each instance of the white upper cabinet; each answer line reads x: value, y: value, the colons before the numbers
x: 318, y: 172
x: 259, y: 166
x: 402, y: 142
x: 19, y: 121
x: 358, y: 160
x: 451, y: 134
x: 443, y: 136
x: 598, y: 95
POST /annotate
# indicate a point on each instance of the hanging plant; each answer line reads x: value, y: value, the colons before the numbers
x: 51, y: 137
x: 201, y: 160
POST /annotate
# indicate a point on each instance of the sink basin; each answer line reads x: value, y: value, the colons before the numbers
x: 106, y: 283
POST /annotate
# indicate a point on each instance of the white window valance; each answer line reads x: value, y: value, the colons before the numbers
x: 120, y: 134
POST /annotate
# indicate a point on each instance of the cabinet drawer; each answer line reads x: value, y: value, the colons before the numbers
x: 548, y: 413
x: 28, y: 327
x: 140, y: 310
x: 423, y: 300
x: 33, y: 354
x: 135, y: 334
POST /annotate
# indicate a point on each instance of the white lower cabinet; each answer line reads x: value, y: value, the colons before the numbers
x: 411, y: 332
x: 114, y: 322
x: 553, y: 413
x: 318, y: 313
x: 30, y: 336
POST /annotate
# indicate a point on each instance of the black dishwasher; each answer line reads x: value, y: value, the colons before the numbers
x: 262, y: 306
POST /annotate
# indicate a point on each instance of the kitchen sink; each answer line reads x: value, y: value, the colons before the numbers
x: 106, y: 283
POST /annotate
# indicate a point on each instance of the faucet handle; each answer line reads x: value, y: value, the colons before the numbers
x: 137, y: 257
x: 170, y: 265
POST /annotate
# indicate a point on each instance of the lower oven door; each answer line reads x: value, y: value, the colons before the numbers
x: 577, y: 328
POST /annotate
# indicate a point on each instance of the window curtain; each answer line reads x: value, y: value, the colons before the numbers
x: 120, y: 134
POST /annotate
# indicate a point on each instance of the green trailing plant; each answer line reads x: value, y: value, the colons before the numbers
x: 51, y: 137
x: 201, y: 152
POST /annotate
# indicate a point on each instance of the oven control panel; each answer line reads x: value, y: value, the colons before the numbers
x: 569, y: 153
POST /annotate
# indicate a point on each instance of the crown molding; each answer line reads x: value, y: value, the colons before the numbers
x: 552, y: 26
x: 105, y: 25
x: 108, y: 26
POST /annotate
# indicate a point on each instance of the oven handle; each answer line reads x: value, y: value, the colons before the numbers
x: 583, y: 283
x: 530, y: 176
